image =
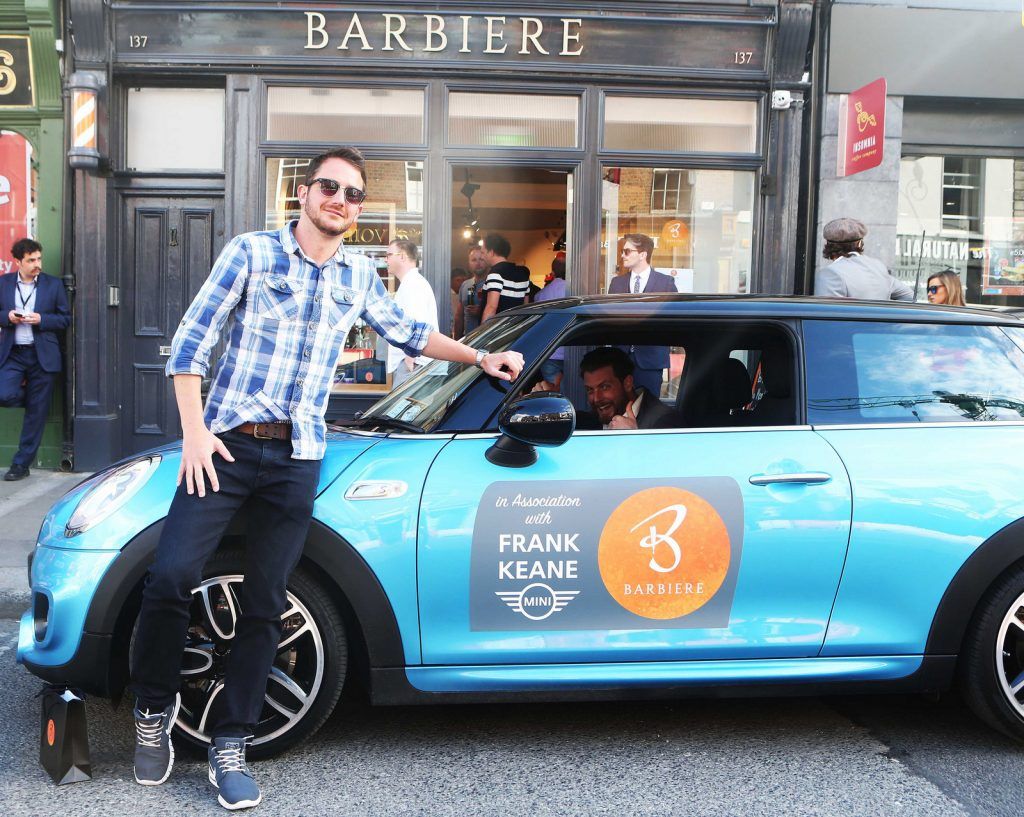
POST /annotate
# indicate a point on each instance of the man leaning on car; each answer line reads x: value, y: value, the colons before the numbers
x: 294, y: 294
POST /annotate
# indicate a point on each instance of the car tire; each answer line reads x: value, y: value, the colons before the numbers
x: 309, y: 670
x: 992, y: 661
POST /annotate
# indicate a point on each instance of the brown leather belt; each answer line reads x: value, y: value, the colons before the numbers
x: 266, y: 431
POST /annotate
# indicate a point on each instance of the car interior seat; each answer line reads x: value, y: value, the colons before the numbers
x: 776, y: 407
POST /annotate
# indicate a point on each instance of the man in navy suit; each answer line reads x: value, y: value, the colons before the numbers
x: 649, y: 362
x: 33, y: 309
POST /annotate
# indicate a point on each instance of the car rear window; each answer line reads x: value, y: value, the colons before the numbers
x: 862, y: 372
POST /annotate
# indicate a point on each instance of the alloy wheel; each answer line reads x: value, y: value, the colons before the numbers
x: 295, y: 677
x: 1010, y: 654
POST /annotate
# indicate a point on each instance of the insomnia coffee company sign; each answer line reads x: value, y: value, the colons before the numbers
x: 861, y: 129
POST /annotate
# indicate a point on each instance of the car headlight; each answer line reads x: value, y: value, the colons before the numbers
x: 110, y: 493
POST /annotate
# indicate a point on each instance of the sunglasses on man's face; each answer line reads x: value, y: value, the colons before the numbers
x: 330, y: 188
x: 933, y: 290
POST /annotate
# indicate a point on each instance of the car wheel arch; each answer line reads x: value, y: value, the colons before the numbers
x: 991, y: 560
x: 375, y: 639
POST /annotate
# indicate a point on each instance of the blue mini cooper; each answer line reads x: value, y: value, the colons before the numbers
x: 831, y: 500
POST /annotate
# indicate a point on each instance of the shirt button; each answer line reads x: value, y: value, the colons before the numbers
x: 312, y: 324
x: 318, y: 297
x: 299, y: 382
x: 305, y: 352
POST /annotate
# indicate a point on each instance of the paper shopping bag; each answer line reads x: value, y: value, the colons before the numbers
x: 64, y: 738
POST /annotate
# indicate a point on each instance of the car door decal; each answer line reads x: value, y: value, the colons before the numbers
x: 606, y: 554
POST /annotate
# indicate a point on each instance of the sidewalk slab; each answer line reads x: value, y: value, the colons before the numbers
x: 23, y: 505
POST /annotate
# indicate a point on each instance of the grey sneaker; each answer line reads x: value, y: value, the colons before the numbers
x: 231, y: 776
x: 154, y: 752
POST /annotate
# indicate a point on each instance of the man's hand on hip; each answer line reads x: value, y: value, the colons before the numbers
x: 197, y: 452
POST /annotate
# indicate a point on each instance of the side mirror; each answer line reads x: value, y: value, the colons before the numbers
x: 543, y: 418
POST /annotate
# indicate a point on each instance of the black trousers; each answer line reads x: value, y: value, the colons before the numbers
x: 22, y: 367
x: 280, y: 492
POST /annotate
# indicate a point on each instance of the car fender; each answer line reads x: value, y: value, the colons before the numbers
x: 989, y: 561
x: 116, y: 600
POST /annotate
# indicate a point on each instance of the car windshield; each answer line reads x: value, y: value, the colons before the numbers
x: 421, y: 402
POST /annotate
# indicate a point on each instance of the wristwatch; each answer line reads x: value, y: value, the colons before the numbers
x: 480, y: 355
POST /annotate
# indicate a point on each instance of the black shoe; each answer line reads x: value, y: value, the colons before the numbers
x: 15, y: 473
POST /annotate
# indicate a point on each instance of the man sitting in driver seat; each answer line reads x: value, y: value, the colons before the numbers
x: 615, y: 402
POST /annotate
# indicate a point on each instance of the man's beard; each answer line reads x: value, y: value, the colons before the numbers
x: 322, y: 225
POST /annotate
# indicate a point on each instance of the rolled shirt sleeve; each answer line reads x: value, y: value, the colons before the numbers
x: 202, y: 323
x: 389, y: 321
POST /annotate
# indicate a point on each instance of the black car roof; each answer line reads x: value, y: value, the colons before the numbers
x: 762, y: 306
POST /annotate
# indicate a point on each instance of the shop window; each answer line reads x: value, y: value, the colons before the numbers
x: 961, y: 183
x: 671, y: 191
x: 348, y: 116
x: 678, y: 125
x: 393, y: 209
x: 175, y: 129
x: 18, y: 184
x: 964, y: 213
x: 414, y: 186
x: 510, y: 120
x: 700, y: 222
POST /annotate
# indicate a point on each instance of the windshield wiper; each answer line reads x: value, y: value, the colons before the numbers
x: 386, y: 422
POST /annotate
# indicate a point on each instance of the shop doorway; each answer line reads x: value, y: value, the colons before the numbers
x: 530, y: 206
x: 169, y: 245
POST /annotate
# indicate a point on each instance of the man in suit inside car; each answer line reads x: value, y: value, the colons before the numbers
x: 650, y: 362
x: 33, y: 309
x: 616, y: 402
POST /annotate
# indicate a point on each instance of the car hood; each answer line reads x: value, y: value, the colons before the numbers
x: 152, y: 501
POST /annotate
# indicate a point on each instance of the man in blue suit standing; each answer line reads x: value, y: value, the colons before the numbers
x: 33, y: 309
x: 650, y: 362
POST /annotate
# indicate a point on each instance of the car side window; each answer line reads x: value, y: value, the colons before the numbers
x: 864, y: 372
x: 718, y: 375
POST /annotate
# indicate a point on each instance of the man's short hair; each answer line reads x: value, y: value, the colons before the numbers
x: 350, y: 155
x: 25, y: 246
x: 407, y: 248
x: 498, y: 244
x: 643, y: 243
x: 603, y: 356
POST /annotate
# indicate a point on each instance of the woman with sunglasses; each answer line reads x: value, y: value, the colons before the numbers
x: 945, y: 288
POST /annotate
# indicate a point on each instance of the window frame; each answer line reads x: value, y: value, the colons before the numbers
x: 587, y: 325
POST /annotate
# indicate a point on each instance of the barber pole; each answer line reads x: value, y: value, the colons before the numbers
x: 84, y: 90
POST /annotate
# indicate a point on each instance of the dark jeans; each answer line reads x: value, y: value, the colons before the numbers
x: 278, y: 492
x: 22, y: 366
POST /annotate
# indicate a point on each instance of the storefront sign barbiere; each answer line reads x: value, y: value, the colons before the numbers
x: 433, y: 33
x: 672, y: 42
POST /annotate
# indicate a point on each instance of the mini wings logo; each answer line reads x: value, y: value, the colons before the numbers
x: 537, y: 601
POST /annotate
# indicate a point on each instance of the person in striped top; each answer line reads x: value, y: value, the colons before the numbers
x: 507, y: 284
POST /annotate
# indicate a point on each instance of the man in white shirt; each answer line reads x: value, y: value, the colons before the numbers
x: 415, y: 298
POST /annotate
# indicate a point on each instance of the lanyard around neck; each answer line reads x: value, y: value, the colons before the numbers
x: 21, y: 293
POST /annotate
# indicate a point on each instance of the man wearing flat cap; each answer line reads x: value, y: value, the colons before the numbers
x: 851, y: 273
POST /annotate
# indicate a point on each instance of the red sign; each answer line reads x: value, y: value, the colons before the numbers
x: 15, y: 194
x: 861, y: 129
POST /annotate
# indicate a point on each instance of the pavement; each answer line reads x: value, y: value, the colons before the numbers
x: 23, y: 505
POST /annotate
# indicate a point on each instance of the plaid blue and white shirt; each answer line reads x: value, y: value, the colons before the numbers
x: 290, y: 319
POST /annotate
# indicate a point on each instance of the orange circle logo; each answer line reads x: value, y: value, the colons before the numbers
x: 51, y: 732
x: 664, y: 552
